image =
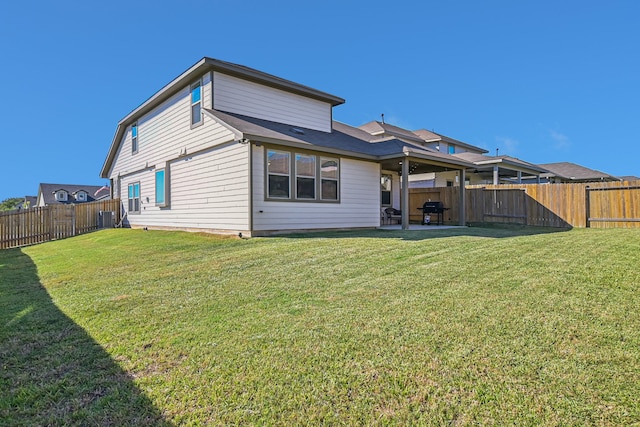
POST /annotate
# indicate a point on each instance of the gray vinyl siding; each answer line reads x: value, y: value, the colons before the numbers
x: 239, y: 96
x: 359, y: 201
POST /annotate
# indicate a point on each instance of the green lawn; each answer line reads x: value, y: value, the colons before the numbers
x: 451, y: 327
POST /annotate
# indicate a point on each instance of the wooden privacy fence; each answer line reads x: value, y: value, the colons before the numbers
x: 606, y: 204
x: 42, y: 224
x: 613, y: 206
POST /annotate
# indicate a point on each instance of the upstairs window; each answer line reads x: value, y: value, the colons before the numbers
x: 452, y: 149
x: 81, y: 196
x: 134, y: 138
x: 61, y: 196
x: 134, y: 197
x: 196, y: 103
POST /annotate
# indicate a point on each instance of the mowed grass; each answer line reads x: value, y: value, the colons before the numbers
x: 452, y: 327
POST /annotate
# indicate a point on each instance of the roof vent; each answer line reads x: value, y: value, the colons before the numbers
x: 297, y: 130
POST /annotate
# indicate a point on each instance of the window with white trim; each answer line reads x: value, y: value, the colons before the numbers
x: 134, y: 138
x: 134, y: 197
x: 81, y: 196
x: 196, y: 103
x: 61, y: 196
x: 162, y: 184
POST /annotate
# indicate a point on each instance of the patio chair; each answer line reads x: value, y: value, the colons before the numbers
x: 393, y: 214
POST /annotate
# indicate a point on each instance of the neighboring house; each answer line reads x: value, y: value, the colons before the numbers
x: 226, y: 148
x: 566, y: 172
x: 501, y: 169
x: 486, y: 170
x: 28, y: 202
x: 55, y: 194
x: 629, y: 178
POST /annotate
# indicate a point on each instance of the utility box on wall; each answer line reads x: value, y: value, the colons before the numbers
x: 105, y: 219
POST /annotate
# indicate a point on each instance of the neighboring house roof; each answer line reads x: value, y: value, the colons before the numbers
x: 28, y: 202
x: 198, y: 69
x: 573, y: 172
x: 430, y: 136
x: 629, y: 178
x: 342, y: 140
x: 380, y: 129
x: 46, y: 192
x: 505, y: 162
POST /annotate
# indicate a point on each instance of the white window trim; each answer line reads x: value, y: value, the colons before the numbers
x: 164, y: 167
x: 132, y: 199
x: 135, y: 139
x: 61, y: 196
x: 192, y: 104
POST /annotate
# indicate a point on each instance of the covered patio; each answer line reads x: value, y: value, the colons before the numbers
x: 420, y: 162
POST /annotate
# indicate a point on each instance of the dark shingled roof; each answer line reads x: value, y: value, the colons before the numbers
x: 574, y: 172
x: 378, y: 129
x: 94, y: 192
x: 431, y: 136
x: 343, y: 139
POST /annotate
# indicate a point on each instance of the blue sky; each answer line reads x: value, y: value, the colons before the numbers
x: 545, y: 81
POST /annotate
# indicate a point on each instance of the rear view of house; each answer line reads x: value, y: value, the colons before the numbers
x: 226, y: 148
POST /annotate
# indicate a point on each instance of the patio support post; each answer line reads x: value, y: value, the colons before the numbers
x: 519, y: 177
x: 463, y: 198
x: 537, y: 179
x: 495, y: 175
x: 404, y: 195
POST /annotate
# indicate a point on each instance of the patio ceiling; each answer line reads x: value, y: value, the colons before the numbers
x: 418, y: 166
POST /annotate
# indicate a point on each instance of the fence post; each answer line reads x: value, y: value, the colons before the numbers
x: 587, y: 205
x: 526, y: 206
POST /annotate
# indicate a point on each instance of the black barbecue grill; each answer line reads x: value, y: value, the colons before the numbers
x: 433, y: 208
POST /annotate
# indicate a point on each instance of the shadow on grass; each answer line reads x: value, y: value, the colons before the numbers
x: 51, y: 371
x: 490, y: 231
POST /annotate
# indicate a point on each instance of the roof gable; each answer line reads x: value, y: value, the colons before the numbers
x: 200, y: 68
